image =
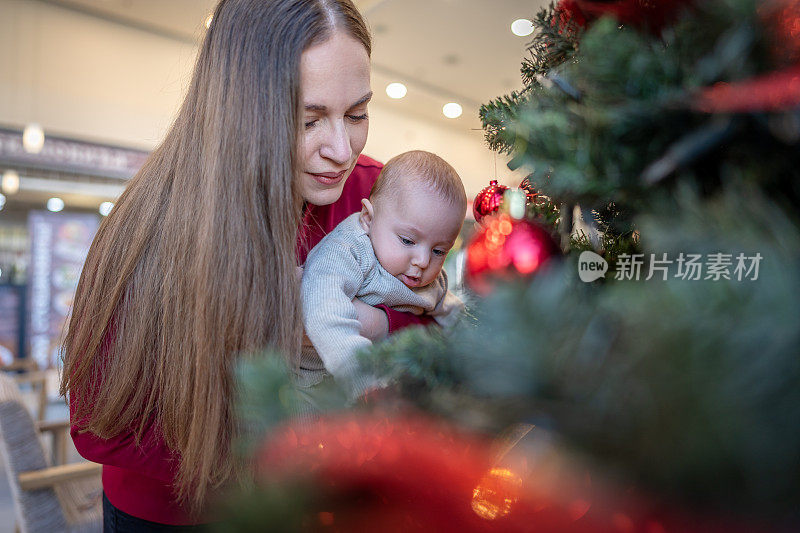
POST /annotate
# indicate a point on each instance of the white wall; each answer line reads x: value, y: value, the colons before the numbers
x: 89, y: 78
x: 86, y: 77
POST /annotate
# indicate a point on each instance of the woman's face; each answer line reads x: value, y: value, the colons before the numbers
x: 334, y: 92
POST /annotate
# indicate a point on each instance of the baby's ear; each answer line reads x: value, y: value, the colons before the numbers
x: 366, y: 214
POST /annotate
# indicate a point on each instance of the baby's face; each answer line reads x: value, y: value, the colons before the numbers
x: 411, y: 236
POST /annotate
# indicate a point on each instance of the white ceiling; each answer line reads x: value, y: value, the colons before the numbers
x: 443, y: 50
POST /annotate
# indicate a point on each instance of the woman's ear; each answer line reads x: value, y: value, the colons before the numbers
x: 366, y: 215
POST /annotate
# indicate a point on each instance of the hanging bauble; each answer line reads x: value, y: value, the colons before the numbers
x: 506, y: 249
x: 411, y: 469
x: 530, y: 192
x: 644, y: 14
x: 568, y: 18
x: 488, y: 201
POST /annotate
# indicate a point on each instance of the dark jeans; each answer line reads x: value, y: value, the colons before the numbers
x: 116, y: 521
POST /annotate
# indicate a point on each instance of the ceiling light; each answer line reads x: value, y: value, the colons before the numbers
x: 396, y: 90
x: 105, y: 208
x: 33, y: 138
x: 208, y: 20
x: 452, y: 110
x: 55, y: 205
x: 10, y: 183
x: 522, y: 27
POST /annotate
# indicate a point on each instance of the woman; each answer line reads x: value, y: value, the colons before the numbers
x: 197, y: 261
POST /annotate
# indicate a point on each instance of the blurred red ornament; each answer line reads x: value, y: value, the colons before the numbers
x: 506, y: 248
x: 568, y: 17
x: 530, y: 192
x: 488, y: 201
x: 371, y: 472
x: 408, y: 473
x: 651, y: 15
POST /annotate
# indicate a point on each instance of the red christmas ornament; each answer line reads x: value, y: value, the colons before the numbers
x: 506, y: 248
x: 530, y: 192
x: 646, y: 14
x: 568, y: 17
x: 488, y: 201
x: 373, y: 472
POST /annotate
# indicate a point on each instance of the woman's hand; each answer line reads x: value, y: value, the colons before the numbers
x: 374, y: 323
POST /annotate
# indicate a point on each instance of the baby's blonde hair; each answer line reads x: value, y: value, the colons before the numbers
x: 420, y: 167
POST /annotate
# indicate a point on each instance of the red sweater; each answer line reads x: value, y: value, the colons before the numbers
x: 138, y: 479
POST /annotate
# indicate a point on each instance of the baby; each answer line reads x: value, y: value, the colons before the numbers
x: 390, y: 253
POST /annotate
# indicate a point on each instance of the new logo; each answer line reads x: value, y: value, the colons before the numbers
x: 591, y: 266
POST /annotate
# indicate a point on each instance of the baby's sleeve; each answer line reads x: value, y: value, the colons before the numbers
x: 332, y: 277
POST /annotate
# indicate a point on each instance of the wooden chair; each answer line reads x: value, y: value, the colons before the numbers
x: 65, y: 497
x: 26, y: 371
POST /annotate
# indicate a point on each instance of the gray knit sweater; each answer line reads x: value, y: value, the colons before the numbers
x: 341, y: 267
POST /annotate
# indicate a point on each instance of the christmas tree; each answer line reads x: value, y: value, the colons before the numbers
x: 662, y: 395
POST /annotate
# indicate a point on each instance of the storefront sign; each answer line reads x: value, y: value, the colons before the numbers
x: 75, y: 157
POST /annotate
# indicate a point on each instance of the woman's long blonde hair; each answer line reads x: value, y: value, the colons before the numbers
x: 196, y: 262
